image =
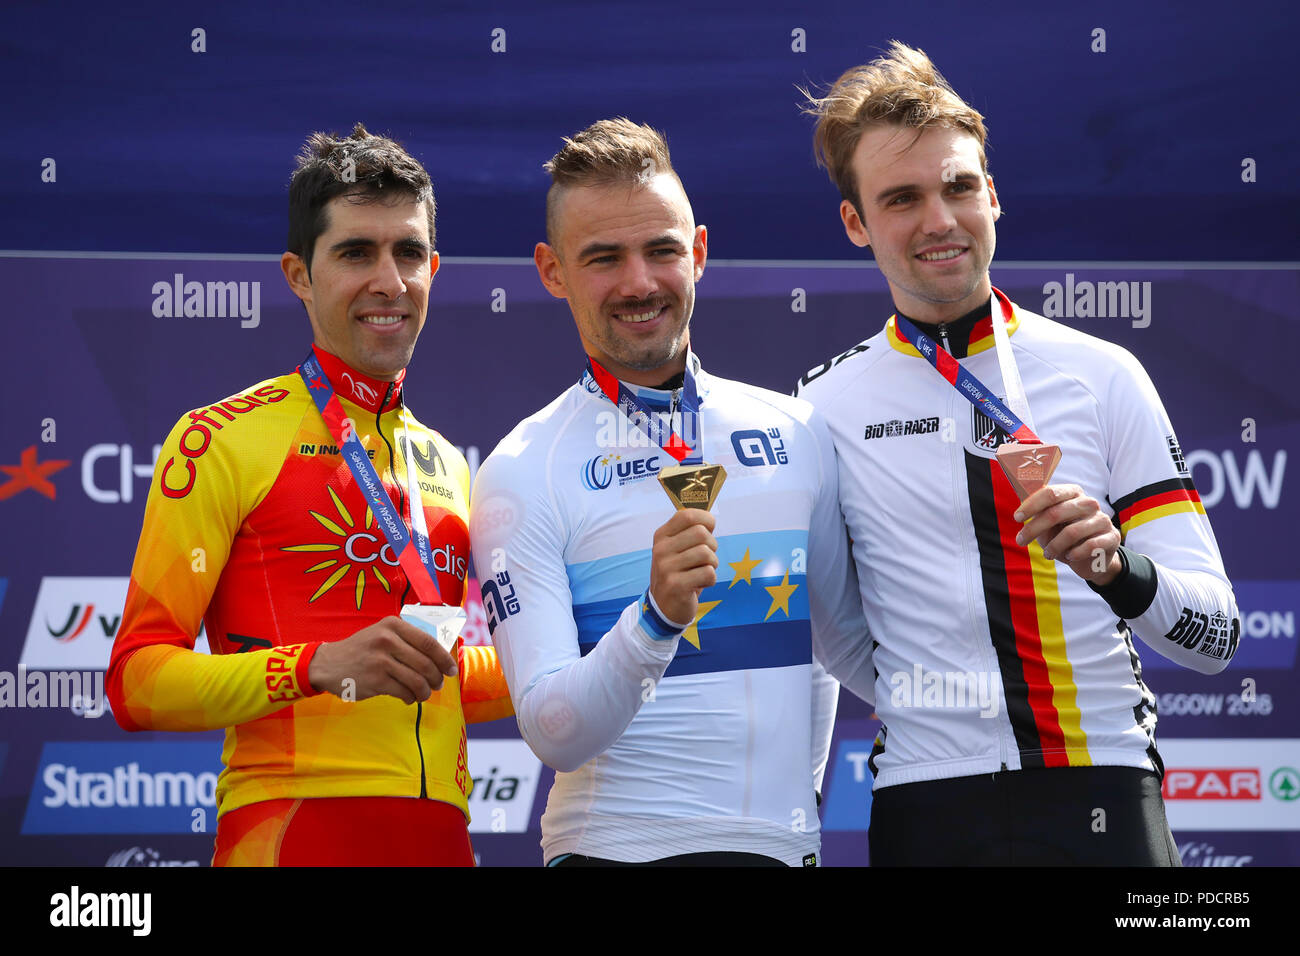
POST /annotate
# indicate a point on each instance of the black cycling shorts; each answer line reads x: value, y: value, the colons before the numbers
x: 1060, y: 816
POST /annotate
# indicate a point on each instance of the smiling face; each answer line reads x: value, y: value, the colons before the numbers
x: 927, y: 214
x: 368, y: 289
x: 627, y: 257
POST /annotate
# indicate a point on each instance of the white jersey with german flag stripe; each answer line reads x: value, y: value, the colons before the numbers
x: 988, y: 655
x: 669, y: 743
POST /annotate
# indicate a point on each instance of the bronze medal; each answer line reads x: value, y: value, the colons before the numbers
x: 1028, y: 467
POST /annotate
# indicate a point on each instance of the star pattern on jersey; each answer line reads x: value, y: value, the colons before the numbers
x: 692, y: 633
x: 781, y: 596
x: 29, y: 473
x: 743, y: 568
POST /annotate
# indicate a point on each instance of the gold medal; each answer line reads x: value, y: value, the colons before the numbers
x: 693, y: 486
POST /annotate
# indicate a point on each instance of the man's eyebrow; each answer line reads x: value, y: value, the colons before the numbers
x: 593, y: 248
x: 361, y: 242
x: 667, y: 239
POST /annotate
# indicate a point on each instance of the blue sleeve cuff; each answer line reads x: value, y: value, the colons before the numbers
x: 654, y: 621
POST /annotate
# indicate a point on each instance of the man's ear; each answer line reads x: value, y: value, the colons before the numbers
x: 853, y: 225
x: 993, y: 199
x: 700, y: 250
x: 547, y: 261
x: 296, y: 274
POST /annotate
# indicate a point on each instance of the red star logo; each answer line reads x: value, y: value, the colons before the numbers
x: 317, y: 383
x: 28, y: 474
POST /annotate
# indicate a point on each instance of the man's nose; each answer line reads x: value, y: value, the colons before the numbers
x: 387, y: 280
x: 937, y: 218
x: 636, y: 280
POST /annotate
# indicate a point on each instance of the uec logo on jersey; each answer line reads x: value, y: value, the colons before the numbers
x: 599, y: 473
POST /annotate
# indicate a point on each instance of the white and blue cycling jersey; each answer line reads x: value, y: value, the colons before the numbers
x: 667, y: 742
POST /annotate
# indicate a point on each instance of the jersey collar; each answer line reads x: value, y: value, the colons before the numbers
x: 981, y: 336
x: 357, y: 387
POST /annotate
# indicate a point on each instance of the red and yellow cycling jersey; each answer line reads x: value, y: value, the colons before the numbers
x: 256, y: 528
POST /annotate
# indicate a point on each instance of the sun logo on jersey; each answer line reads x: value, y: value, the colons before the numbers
x: 360, y: 549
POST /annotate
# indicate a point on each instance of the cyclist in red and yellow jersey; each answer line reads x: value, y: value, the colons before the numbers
x: 345, y: 740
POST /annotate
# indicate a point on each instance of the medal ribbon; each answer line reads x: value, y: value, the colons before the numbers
x: 657, y: 427
x: 967, y: 385
x: 413, y: 553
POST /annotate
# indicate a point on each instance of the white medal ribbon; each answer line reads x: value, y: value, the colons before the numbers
x: 1015, y: 389
x: 443, y: 621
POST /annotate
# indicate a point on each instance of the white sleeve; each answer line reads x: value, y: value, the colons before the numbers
x: 1175, y: 596
x: 841, y: 639
x: 825, y: 701
x: 569, y: 708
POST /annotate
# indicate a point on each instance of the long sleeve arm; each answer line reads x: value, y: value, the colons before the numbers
x: 156, y: 680
x: 570, y: 707
x: 1173, y: 591
x: 841, y: 639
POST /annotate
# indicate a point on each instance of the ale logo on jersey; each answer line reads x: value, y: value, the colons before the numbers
x: 756, y: 448
x: 600, y: 472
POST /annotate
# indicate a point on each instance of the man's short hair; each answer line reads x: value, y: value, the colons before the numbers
x: 368, y: 167
x: 607, y: 152
x: 901, y: 88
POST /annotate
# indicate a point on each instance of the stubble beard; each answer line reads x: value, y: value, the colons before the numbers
x: 650, y: 356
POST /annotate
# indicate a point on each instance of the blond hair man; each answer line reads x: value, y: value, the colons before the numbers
x: 1003, y: 599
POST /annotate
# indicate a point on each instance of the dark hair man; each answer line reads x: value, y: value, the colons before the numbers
x: 296, y: 520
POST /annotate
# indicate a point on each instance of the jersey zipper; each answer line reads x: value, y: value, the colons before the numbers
x: 392, y: 470
x: 960, y: 495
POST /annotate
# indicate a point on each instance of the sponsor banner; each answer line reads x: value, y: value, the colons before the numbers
x: 848, y: 801
x: 1235, y: 703
x: 145, y: 856
x: 136, y: 787
x: 74, y: 622
x: 505, y: 774
x: 1226, y: 785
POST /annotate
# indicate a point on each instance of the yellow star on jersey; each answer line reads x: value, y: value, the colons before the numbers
x: 743, y: 568
x: 781, y: 596
x: 692, y: 633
